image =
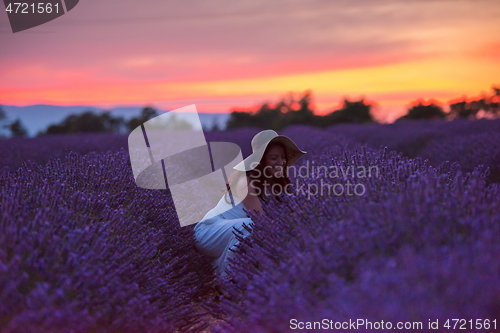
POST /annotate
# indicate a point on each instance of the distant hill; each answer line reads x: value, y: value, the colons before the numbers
x: 37, y: 118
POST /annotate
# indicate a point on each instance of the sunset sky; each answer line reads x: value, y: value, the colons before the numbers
x: 223, y: 54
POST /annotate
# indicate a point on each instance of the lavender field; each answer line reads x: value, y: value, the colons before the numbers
x: 83, y: 249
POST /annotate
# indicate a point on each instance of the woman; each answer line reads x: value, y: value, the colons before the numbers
x: 265, y: 169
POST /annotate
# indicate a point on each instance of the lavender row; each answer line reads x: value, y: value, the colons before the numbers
x: 83, y: 249
x: 86, y: 250
x: 467, y: 142
x: 419, y: 244
x: 15, y: 151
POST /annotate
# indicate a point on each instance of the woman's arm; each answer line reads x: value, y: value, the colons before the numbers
x: 250, y: 200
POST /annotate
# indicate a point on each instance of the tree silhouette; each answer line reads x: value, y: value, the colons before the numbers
x: 421, y: 111
x: 351, y: 112
x: 494, y: 101
x: 276, y: 116
x: 17, y: 129
x: 242, y: 119
x: 3, y: 118
x: 304, y: 115
x: 461, y: 110
x: 87, y: 122
x: 147, y: 113
x: 215, y: 125
x: 470, y: 110
x: 270, y: 117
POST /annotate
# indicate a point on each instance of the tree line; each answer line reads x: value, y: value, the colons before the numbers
x: 90, y: 122
x: 15, y: 127
x: 289, y: 112
x: 86, y: 122
x: 277, y: 116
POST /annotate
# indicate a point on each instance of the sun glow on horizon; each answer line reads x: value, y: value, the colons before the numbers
x: 390, y: 54
x: 388, y: 85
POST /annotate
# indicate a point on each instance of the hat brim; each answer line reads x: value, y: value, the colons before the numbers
x: 293, y: 153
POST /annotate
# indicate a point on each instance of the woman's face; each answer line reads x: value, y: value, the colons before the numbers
x: 275, y: 161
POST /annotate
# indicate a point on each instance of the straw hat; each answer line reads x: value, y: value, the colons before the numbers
x: 259, y: 144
